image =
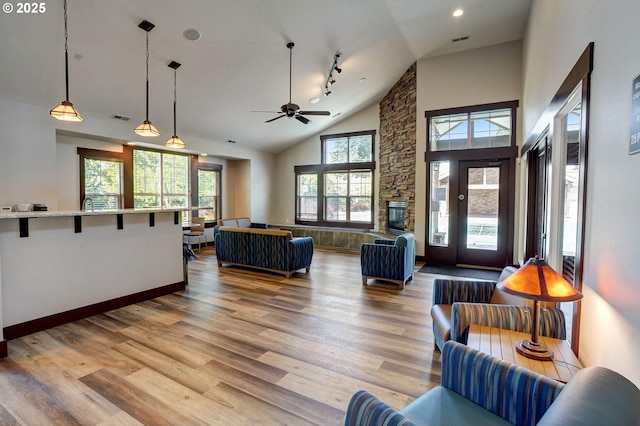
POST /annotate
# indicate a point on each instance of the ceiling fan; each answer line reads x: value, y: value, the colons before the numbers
x: 290, y: 109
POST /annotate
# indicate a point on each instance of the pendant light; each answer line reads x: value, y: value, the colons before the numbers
x: 175, y: 141
x: 146, y: 128
x: 65, y: 111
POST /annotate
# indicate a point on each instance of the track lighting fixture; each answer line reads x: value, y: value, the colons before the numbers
x: 330, y: 80
x: 65, y: 111
x: 146, y: 128
x: 175, y: 141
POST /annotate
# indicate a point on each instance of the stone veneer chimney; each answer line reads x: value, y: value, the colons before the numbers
x: 398, y: 148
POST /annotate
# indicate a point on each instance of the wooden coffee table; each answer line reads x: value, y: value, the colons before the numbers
x: 501, y: 343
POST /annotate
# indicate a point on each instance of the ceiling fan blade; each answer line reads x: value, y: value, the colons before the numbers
x: 275, y: 118
x: 314, y: 112
x: 270, y: 112
x: 302, y: 119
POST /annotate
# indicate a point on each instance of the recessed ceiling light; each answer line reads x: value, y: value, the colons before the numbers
x: 314, y: 100
x: 131, y: 143
x: 458, y: 12
x: 204, y: 154
x: 362, y: 80
x: 231, y: 141
x: 191, y: 34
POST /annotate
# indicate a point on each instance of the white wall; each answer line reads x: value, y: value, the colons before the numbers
x: 308, y: 152
x: 480, y: 76
x: 558, y: 33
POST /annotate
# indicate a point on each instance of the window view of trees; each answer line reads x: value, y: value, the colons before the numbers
x: 338, y: 192
x: 103, y: 183
x: 307, y: 208
x: 160, y: 179
x: 208, y: 181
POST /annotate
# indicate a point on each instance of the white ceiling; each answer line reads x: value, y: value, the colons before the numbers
x: 241, y: 63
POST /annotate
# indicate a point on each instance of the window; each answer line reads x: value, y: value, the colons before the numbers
x: 209, y: 189
x: 160, y: 179
x: 141, y: 178
x: 471, y: 130
x: 103, y: 183
x: 338, y: 192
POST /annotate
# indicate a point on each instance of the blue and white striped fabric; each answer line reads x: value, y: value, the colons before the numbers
x: 511, y: 392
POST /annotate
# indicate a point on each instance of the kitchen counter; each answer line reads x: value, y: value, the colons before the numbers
x: 61, y: 266
x: 67, y: 213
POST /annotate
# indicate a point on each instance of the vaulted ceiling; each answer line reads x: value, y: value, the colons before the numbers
x: 240, y: 64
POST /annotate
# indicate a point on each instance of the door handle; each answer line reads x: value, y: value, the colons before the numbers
x: 461, y: 197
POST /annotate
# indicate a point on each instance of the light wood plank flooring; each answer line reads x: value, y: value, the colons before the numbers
x: 237, y: 347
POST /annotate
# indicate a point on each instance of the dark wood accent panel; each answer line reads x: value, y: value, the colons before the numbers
x: 34, y: 326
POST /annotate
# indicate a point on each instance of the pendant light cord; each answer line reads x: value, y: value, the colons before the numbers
x: 66, y: 54
x: 147, y: 119
x: 175, y: 99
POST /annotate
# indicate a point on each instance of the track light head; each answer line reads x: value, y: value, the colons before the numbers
x: 327, y: 92
x: 331, y: 81
x: 338, y: 70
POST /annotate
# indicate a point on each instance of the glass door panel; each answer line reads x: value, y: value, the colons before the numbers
x: 439, y: 204
x: 482, y: 208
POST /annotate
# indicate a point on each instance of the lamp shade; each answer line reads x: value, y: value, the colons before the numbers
x: 538, y: 281
x: 66, y: 112
x: 175, y: 142
x: 146, y: 129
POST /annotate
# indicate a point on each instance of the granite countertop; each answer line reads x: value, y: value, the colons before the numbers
x: 66, y: 213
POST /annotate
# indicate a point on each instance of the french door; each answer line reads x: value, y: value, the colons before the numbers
x: 471, y: 213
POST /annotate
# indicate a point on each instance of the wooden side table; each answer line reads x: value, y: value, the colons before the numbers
x: 500, y: 343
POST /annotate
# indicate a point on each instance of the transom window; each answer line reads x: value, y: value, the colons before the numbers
x: 471, y: 130
x: 338, y: 192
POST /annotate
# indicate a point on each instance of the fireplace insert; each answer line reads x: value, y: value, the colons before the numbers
x: 396, y: 211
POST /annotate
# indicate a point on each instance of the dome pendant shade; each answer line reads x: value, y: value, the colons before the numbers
x: 65, y: 110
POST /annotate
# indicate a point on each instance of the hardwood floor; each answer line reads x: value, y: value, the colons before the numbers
x: 236, y: 347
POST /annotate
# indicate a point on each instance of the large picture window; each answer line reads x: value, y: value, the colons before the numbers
x: 142, y: 178
x: 339, y: 192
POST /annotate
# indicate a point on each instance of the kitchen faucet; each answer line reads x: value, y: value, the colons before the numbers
x: 87, y: 201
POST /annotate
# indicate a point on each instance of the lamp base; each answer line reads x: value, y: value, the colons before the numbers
x: 534, y: 350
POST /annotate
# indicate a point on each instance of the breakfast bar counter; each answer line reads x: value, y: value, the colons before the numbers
x: 60, y: 266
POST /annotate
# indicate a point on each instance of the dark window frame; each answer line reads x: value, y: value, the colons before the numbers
x: 126, y: 157
x: 321, y: 169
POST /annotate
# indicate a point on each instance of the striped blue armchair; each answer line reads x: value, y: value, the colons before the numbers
x: 389, y: 260
x: 480, y: 390
x: 460, y: 303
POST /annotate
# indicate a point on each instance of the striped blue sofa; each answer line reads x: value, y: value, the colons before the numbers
x: 460, y: 303
x: 389, y: 260
x: 272, y: 250
x: 478, y: 389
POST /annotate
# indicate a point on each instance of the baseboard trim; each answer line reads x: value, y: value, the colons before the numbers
x: 44, y: 323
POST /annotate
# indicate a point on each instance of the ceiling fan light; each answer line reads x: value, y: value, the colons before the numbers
x: 66, y: 112
x: 175, y: 142
x: 147, y: 130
